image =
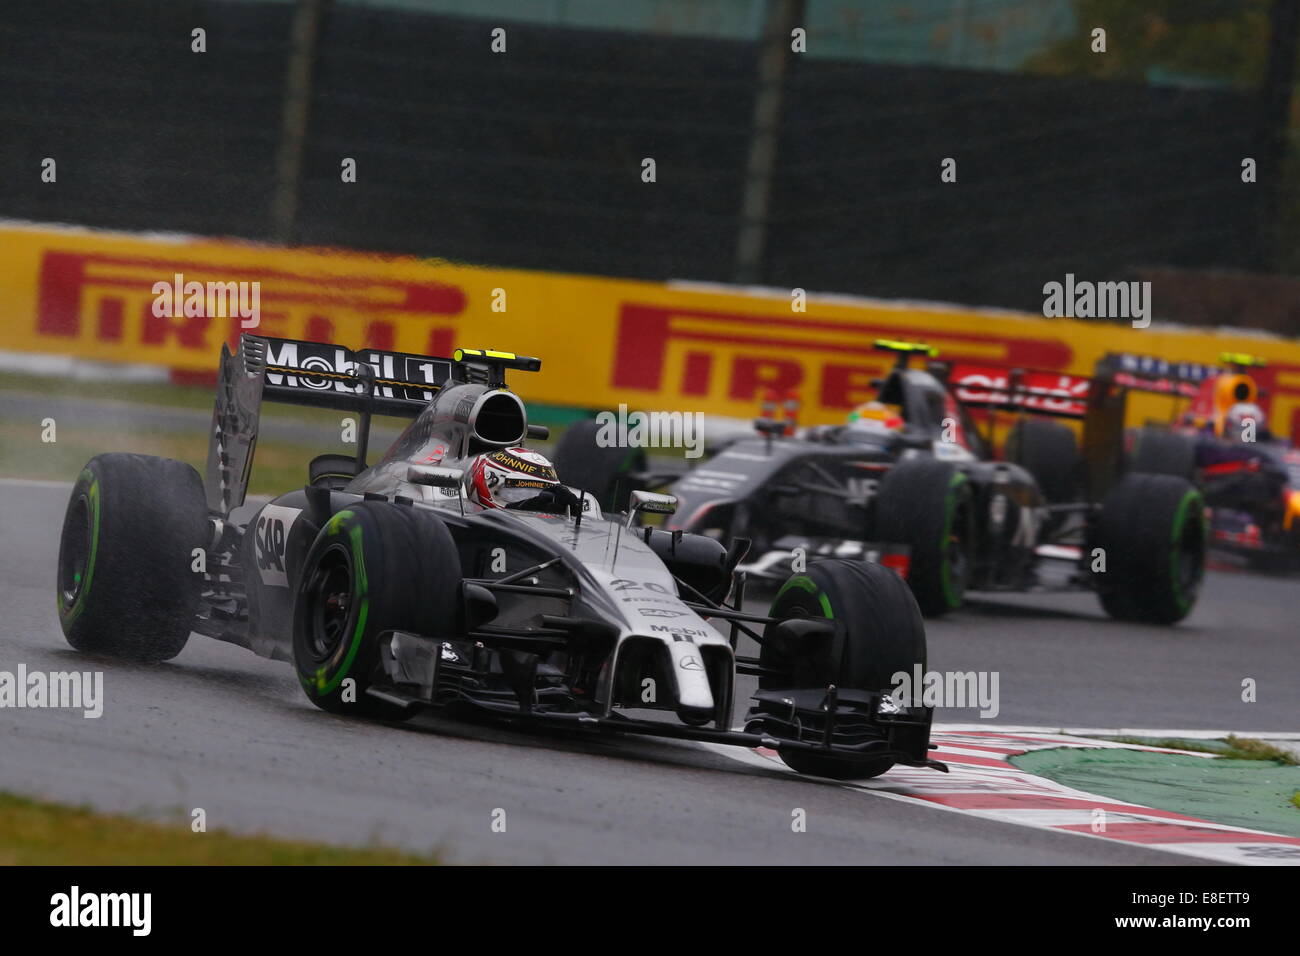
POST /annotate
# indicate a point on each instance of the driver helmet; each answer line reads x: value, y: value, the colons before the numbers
x: 876, y: 416
x: 507, y: 477
x: 1234, y: 422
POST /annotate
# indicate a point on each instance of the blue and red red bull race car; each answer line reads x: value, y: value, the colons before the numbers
x: 1219, y: 437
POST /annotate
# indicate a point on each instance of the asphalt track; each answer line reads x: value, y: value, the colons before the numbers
x: 221, y: 729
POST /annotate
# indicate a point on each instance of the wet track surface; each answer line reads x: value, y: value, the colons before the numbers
x: 221, y: 729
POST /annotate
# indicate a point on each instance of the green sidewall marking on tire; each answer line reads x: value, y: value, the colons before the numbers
x: 363, y: 611
x: 807, y: 584
x: 92, y: 496
x: 1180, y: 519
x: 945, y: 568
x: 334, y: 525
x: 803, y: 581
x: 826, y: 605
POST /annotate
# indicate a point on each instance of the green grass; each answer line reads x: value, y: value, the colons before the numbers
x: 182, y: 396
x: 201, y: 397
x: 1231, y: 747
x: 278, y: 467
x: 1246, y: 748
x: 140, y: 393
x: 36, y: 833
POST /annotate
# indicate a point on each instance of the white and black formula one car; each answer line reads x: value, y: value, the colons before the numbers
x: 458, y: 571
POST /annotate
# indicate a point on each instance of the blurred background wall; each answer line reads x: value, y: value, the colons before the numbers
x: 1119, y: 165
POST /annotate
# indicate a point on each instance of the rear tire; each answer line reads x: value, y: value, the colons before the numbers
x: 1157, y: 451
x: 581, y: 462
x: 1152, y: 531
x: 375, y: 566
x: 926, y: 504
x: 1049, y: 452
x: 879, y: 629
x: 126, y: 587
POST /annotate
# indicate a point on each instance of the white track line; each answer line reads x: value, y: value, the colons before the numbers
x: 1119, y: 732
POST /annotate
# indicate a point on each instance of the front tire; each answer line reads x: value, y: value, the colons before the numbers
x: 126, y: 585
x: 879, y: 629
x: 1152, y: 534
x: 375, y: 566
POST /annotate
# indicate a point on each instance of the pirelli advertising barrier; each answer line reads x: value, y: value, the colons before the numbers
x: 171, y: 301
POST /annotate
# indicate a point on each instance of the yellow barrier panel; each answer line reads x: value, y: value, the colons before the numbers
x: 602, y: 341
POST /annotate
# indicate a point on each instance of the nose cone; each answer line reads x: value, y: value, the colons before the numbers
x: 694, y: 698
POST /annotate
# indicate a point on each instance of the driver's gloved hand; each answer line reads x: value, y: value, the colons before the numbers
x: 556, y: 501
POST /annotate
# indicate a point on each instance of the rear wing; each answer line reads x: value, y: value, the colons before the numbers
x: 1065, y: 395
x: 1098, y: 402
x: 1146, y: 373
x: 366, y: 381
x: 330, y: 376
x: 1041, y: 393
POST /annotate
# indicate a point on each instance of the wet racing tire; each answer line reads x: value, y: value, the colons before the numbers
x: 1158, y: 451
x: 1049, y: 452
x: 134, y: 528
x: 1152, y: 533
x: 879, y: 627
x: 374, y: 566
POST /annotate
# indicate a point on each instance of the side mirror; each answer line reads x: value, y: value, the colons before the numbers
x: 650, y: 503
x: 434, y: 476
